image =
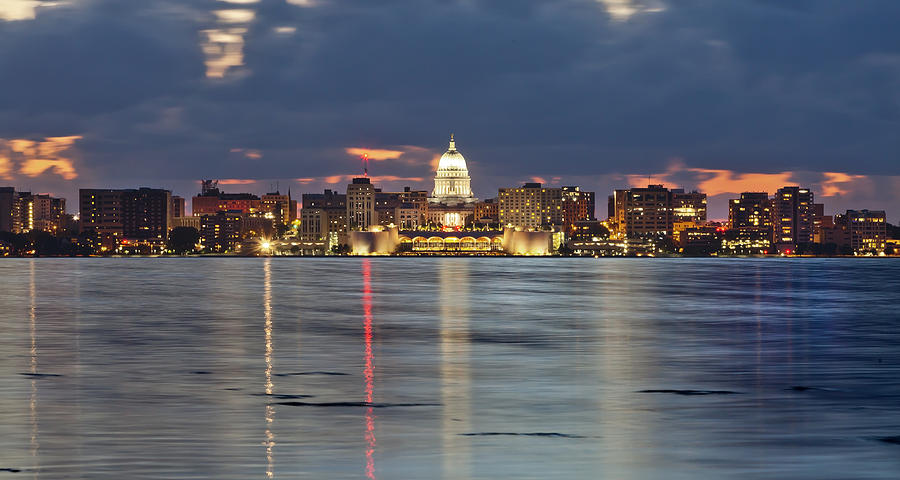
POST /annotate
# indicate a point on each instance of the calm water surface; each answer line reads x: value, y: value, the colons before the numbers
x: 450, y: 368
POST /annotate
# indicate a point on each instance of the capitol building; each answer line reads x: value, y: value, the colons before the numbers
x: 451, y: 202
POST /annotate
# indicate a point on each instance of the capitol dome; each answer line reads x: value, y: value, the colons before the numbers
x: 452, y: 159
x: 451, y: 181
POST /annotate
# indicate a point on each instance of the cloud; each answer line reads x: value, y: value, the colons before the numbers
x: 238, y: 181
x: 35, y: 158
x: 375, y: 154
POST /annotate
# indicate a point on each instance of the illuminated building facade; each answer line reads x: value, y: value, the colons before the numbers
x: 146, y: 213
x: 643, y: 211
x: 530, y: 206
x: 487, y: 212
x: 130, y: 216
x: 100, y: 210
x: 577, y: 206
x: 792, y: 217
x: 323, y: 222
x: 688, y: 206
x: 212, y: 201
x: 361, y: 204
x: 868, y: 230
x: 221, y: 232
x: 752, y: 211
x: 22, y: 212
x: 381, y: 241
x: 281, y: 209
x: 451, y: 202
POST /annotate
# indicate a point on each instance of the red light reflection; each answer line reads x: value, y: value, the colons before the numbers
x: 368, y: 372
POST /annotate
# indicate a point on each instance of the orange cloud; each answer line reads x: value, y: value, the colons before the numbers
x: 375, y: 154
x: 36, y: 158
x: 304, y: 181
x: 5, y: 167
x: 254, y: 154
x: 538, y: 180
x: 728, y: 181
x: 237, y: 181
x: 837, y: 183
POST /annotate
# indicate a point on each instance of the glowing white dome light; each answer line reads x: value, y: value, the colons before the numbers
x: 452, y: 184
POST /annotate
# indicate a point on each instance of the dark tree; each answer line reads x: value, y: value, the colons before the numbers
x: 183, y: 239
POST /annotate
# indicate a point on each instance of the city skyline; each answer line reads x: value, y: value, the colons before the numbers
x: 718, y: 185
x: 255, y: 92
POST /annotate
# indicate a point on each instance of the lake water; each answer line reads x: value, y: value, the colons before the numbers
x: 454, y: 368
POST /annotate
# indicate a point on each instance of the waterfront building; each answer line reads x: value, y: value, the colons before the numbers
x: 792, y: 217
x: 361, y: 205
x: 746, y: 241
x: 753, y: 210
x: 702, y: 240
x: 279, y: 208
x: 323, y: 222
x: 384, y: 241
x: 221, y: 232
x: 9, y: 215
x: 868, y: 230
x: 833, y: 230
x: 530, y: 207
x: 577, y: 206
x: 132, y: 216
x: 100, y: 210
x: 146, y: 213
x: 641, y: 212
x: 22, y: 212
x: 451, y: 203
x: 688, y: 206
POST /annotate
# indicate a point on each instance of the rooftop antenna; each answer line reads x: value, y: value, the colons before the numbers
x: 365, y: 160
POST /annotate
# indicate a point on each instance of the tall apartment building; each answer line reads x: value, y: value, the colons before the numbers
x: 9, y: 214
x: 688, y: 206
x: 643, y: 211
x: 22, y: 212
x: 48, y: 214
x: 361, y: 204
x: 221, y: 232
x: 752, y: 211
x: 144, y: 213
x: 792, y: 216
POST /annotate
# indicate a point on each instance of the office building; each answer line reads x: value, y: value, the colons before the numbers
x: 361, y: 204
x: 688, y: 206
x: 643, y: 212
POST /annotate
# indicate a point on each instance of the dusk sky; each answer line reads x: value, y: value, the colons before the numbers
x: 721, y: 96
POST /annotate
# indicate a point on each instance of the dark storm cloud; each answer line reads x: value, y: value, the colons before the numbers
x: 554, y: 88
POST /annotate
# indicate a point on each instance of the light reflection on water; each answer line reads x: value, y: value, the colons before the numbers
x: 485, y: 368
